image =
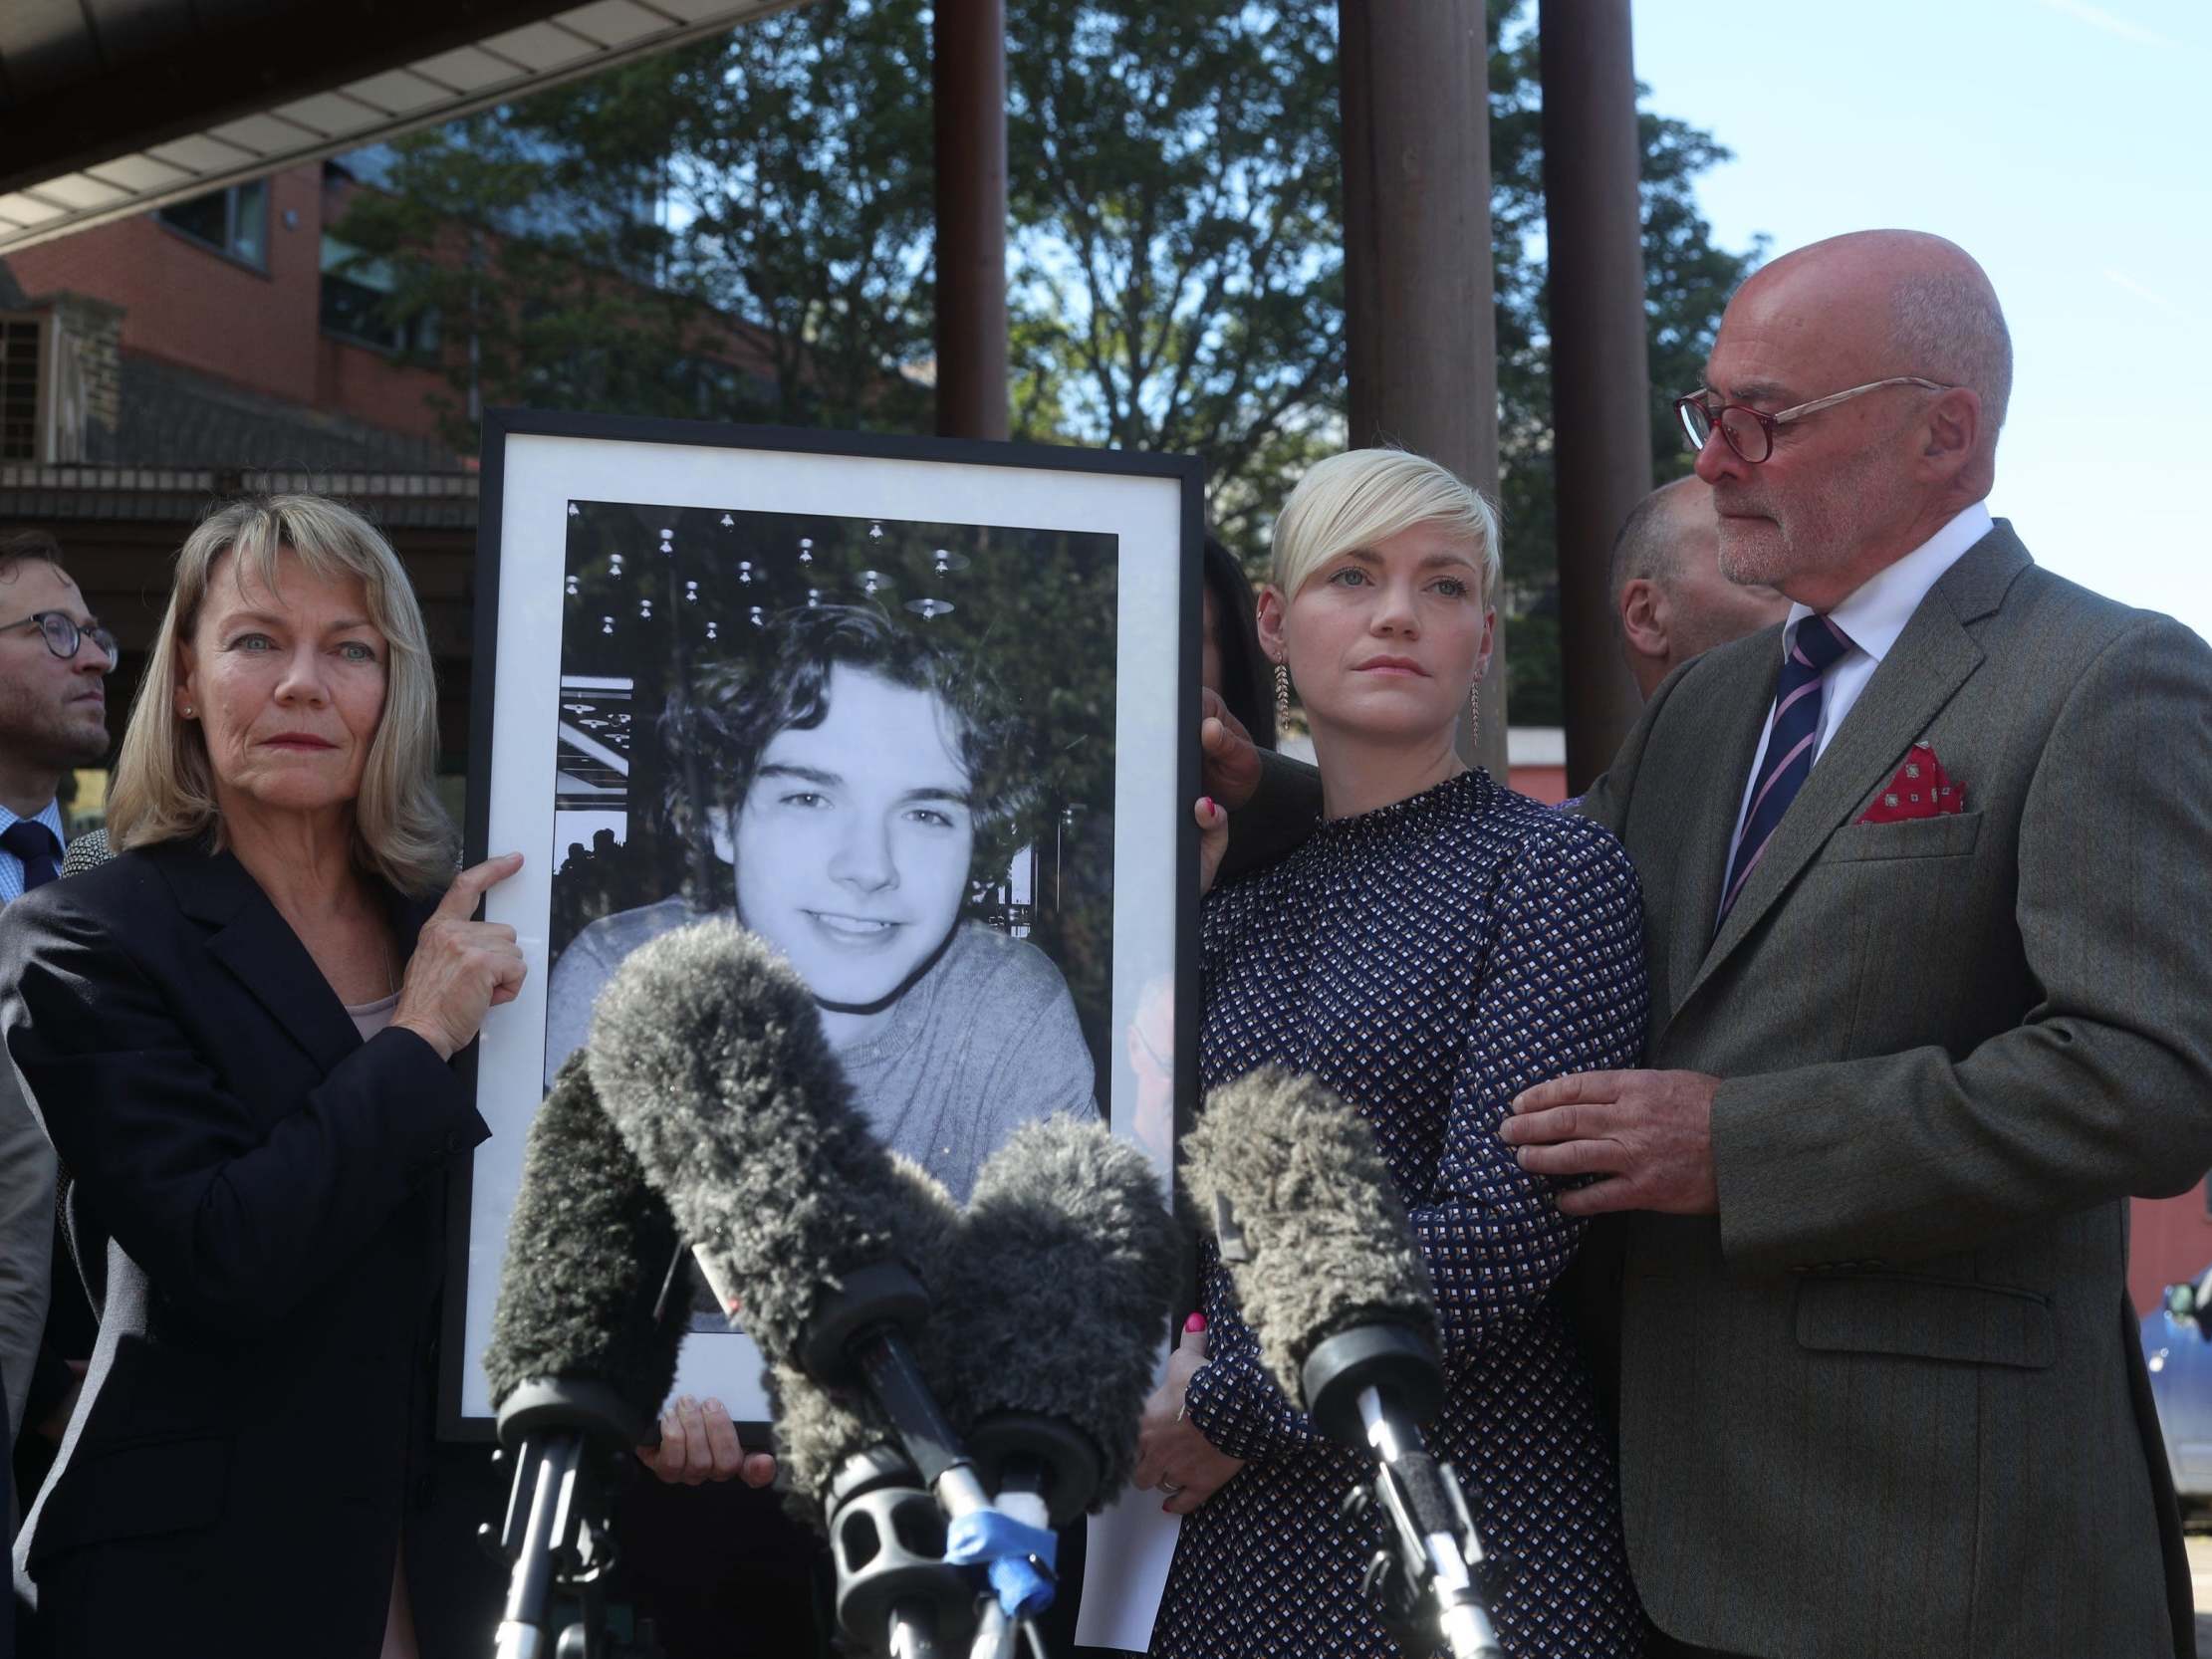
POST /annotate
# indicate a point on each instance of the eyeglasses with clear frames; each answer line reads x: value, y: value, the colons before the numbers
x: 63, y: 637
x: 1750, y: 433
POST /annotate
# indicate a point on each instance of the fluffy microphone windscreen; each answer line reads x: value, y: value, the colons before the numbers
x: 816, y: 1428
x: 1282, y: 1163
x: 1057, y: 1296
x: 587, y: 1247
x: 710, y: 1052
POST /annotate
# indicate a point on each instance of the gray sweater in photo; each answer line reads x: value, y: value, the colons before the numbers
x: 983, y: 1041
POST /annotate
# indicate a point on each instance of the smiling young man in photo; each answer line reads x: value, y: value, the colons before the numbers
x: 847, y: 783
x: 852, y: 844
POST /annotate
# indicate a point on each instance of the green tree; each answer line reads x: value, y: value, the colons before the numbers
x: 737, y: 229
x: 764, y: 200
x: 1180, y: 266
x: 1179, y: 280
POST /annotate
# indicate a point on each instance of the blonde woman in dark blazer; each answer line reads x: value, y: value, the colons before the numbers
x: 238, y: 1034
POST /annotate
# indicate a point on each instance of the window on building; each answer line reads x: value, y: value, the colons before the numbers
x: 357, y: 303
x: 19, y: 387
x: 233, y: 221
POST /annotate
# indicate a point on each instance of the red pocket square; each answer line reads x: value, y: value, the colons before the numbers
x: 1920, y: 789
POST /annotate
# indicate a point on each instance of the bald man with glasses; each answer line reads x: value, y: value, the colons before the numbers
x: 55, y: 659
x: 1925, y: 881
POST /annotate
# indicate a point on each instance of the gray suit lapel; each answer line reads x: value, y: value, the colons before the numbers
x: 1932, y: 658
x: 1711, y: 799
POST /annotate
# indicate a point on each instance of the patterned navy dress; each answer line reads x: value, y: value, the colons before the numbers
x: 1428, y: 961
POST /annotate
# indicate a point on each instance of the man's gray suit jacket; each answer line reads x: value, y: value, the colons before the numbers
x: 1890, y: 1402
x: 27, y: 1176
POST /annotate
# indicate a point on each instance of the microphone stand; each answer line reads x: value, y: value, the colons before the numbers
x: 1371, y: 1386
x: 861, y: 1334
x: 896, y: 1594
x: 563, y: 1434
x: 1023, y: 1482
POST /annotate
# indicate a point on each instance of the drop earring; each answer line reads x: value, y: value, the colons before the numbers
x: 1282, y: 693
x: 1474, y: 714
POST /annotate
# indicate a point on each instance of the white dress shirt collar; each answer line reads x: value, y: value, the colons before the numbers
x: 1876, y: 610
x: 1871, y: 618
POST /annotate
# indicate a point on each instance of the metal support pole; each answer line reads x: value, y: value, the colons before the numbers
x: 1601, y: 379
x: 1420, y: 337
x: 968, y: 74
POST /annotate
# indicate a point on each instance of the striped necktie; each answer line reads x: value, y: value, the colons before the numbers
x: 1815, y: 644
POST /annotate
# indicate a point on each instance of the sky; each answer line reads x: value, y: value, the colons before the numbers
x: 2068, y: 146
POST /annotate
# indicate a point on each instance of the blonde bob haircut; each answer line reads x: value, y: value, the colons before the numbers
x: 1365, y: 496
x: 164, y: 788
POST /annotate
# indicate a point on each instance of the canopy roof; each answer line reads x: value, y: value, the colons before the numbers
x: 108, y: 108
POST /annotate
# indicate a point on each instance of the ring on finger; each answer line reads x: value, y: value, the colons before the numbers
x: 1171, y: 1488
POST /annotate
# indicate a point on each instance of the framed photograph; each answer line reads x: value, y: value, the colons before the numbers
x: 918, y: 712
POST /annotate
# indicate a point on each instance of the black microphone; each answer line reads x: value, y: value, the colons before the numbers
x: 847, y: 1476
x: 580, y: 1357
x: 821, y: 1429
x: 710, y: 1052
x: 1057, y: 1298
x: 1337, y: 1293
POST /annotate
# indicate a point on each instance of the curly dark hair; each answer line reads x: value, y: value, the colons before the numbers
x: 736, y: 706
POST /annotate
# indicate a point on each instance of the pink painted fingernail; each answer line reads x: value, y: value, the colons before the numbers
x: 1206, y: 803
x: 1195, y: 1324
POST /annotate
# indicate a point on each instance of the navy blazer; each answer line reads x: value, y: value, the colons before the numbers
x: 267, y: 1193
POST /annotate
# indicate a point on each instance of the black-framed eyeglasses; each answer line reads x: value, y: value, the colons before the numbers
x: 1750, y: 433
x: 63, y: 637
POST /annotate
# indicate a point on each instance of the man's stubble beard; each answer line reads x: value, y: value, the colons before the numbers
x: 1825, y: 532
x: 45, y: 738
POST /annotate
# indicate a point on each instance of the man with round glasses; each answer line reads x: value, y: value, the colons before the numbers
x: 55, y: 660
x: 1925, y: 879
x: 54, y: 664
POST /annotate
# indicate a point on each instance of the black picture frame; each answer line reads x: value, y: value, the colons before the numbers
x: 1153, y: 505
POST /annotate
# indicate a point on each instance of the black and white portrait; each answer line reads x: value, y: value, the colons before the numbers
x: 924, y: 745
x: 888, y: 790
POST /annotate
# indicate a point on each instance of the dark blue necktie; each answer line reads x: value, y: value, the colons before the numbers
x: 1815, y: 644
x: 34, y: 843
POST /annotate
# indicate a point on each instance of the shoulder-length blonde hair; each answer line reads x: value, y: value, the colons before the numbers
x: 1365, y: 496
x: 164, y: 788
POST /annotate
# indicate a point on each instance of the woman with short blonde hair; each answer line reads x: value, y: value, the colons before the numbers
x: 1364, y: 496
x: 1437, y: 945
x: 239, y: 1032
